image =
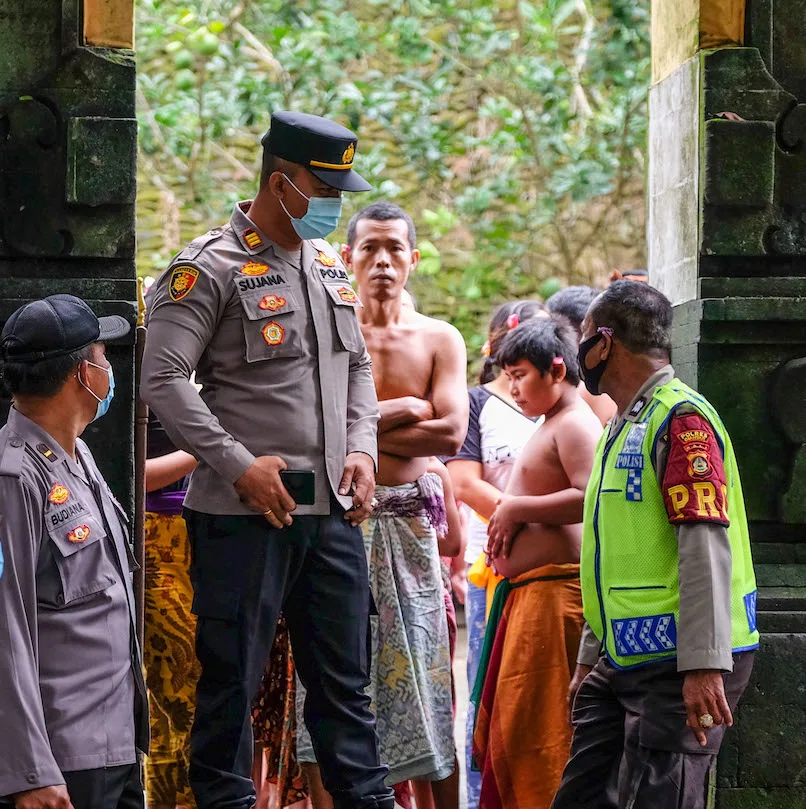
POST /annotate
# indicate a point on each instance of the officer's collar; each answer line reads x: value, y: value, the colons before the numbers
x: 45, y: 446
x: 254, y: 240
x: 251, y: 237
x: 644, y: 396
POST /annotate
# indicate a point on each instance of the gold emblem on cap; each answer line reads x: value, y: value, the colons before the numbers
x: 346, y: 161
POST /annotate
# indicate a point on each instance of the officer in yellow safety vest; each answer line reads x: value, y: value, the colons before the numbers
x: 668, y: 587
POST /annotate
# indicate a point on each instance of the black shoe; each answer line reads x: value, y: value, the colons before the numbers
x: 377, y: 802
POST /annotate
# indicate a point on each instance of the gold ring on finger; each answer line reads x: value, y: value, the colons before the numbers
x: 268, y: 513
x: 706, y: 721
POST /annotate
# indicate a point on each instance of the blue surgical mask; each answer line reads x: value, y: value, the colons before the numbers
x: 321, y: 219
x: 103, y: 404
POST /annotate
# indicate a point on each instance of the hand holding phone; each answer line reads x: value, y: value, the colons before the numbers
x: 301, y: 485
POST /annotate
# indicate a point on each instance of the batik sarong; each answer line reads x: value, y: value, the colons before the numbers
x: 169, y: 658
x: 274, y: 722
x: 410, y: 677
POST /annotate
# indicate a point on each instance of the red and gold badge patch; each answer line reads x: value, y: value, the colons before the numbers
x: 272, y: 303
x: 695, y: 445
x: 252, y: 238
x: 183, y: 279
x: 324, y: 258
x: 347, y: 294
x: 254, y: 268
x: 698, y: 466
x: 273, y: 333
x: 59, y: 494
x: 694, y: 486
x: 79, y: 534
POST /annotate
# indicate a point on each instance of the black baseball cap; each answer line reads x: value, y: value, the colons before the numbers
x: 325, y: 148
x: 54, y: 327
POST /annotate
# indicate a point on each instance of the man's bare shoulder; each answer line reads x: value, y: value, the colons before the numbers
x: 432, y: 326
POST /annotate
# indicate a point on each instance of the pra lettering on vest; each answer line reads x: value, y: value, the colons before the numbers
x: 58, y: 517
x: 245, y: 284
x: 696, y: 502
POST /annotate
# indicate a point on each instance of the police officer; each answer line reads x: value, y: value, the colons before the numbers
x: 72, y: 699
x: 263, y: 310
x: 668, y: 587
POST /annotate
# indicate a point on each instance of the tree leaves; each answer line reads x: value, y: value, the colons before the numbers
x: 513, y: 132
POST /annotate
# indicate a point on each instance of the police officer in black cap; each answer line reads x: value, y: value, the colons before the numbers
x: 72, y: 697
x: 285, y: 431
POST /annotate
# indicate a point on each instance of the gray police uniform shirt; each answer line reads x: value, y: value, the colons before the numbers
x: 704, y: 630
x: 71, y: 689
x: 274, y: 340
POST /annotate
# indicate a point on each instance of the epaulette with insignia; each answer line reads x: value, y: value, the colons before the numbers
x: 193, y: 250
x: 12, y: 453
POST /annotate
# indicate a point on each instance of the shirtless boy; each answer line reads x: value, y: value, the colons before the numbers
x: 522, y: 734
x: 419, y: 366
x: 573, y: 303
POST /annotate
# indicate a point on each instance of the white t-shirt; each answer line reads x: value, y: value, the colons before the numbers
x: 497, y: 432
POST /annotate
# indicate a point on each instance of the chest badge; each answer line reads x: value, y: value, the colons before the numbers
x: 183, y: 279
x: 79, y: 534
x: 272, y: 303
x: 347, y: 294
x: 254, y: 268
x: 273, y: 333
x: 59, y: 494
x: 324, y: 258
x: 252, y: 238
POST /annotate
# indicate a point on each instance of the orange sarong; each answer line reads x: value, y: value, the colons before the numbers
x: 523, y: 736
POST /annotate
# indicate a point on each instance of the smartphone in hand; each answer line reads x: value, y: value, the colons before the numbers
x: 300, y: 484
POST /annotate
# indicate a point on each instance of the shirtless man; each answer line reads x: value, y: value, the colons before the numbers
x: 522, y: 736
x: 419, y: 367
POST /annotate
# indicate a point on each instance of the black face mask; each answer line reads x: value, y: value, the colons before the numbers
x: 591, y: 376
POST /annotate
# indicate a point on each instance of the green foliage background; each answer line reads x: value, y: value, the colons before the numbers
x: 513, y: 132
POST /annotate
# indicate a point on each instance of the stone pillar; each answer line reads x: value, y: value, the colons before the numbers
x: 727, y: 244
x: 68, y: 147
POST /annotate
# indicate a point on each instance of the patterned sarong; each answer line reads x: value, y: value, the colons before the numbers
x: 410, y: 678
x: 274, y: 724
x: 169, y: 658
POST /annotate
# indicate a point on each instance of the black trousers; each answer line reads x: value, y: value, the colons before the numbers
x: 244, y: 572
x: 106, y: 788
x: 632, y: 748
